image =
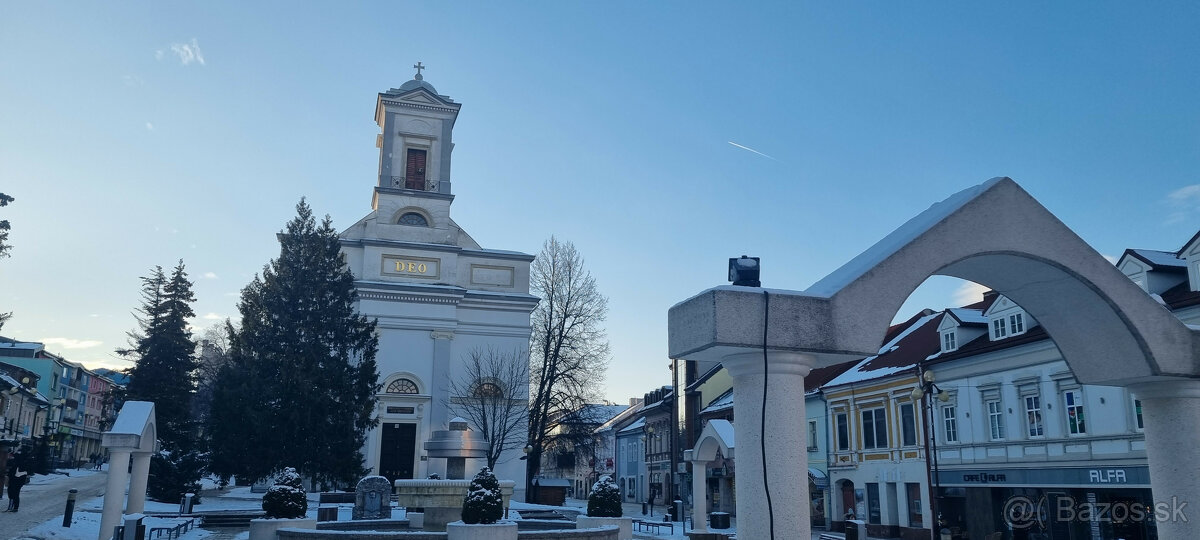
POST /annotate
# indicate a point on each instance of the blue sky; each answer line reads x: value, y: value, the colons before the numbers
x: 139, y: 134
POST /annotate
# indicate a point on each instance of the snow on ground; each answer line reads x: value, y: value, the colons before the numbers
x: 86, y: 526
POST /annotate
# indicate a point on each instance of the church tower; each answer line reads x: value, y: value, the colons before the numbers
x: 438, y: 296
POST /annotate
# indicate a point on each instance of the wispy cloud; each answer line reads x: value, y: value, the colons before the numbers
x: 209, y: 275
x: 186, y: 52
x: 968, y: 293
x: 213, y: 317
x: 69, y: 343
x: 1184, y: 203
x: 748, y: 149
x: 149, y: 126
x: 132, y: 80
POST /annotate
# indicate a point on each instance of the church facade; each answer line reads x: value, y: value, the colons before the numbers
x: 436, y: 293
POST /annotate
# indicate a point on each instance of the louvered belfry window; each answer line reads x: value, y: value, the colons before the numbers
x: 414, y: 170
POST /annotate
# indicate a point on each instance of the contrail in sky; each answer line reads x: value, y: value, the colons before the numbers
x: 751, y: 149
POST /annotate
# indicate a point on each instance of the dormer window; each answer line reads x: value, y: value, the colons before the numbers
x: 414, y: 219
x: 999, y: 328
x: 949, y: 342
x: 1016, y: 323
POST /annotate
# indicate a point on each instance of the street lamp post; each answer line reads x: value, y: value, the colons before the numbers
x: 924, y: 392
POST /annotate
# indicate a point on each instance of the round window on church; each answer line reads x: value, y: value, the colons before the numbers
x: 402, y: 386
x: 414, y: 219
x: 487, y: 389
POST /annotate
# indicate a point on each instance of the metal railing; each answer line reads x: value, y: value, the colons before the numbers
x: 400, y: 182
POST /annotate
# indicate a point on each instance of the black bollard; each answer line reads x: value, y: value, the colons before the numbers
x: 70, y: 507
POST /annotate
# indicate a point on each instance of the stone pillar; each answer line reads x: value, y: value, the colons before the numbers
x: 1171, y: 415
x: 137, y: 483
x: 700, y: 495
x: 114, y: 493
x: 786, y: 448
x: 439, y: 417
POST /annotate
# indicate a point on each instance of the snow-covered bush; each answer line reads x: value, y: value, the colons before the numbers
x: 435, y: 476
x: 286, y: 499
x: 483, y: 503
x: 605, y: 499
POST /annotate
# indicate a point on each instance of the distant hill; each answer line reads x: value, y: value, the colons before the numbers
x: 116, y: 376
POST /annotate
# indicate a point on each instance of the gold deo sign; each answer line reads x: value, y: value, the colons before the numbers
x: 411, y: 266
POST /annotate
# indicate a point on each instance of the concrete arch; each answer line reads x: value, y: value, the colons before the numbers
x: 995, y: 234
x: 1108, y: 330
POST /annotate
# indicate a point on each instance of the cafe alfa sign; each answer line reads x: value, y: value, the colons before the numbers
x: 1072, y: 476
x: 418, y: 267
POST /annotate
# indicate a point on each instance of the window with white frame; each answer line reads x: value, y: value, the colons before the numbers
x: 949, y: 342
x: 949, y: 423
x: 843, y: 431
x: 1016, y: 323
x: 874, y: 426
x: 1033, y: 416
x: 995, y: 419
x: 1073, y: 399
x: 908, y: 424
x: 999, y: 328
x: 812, y: 435
x: 1137, y: 414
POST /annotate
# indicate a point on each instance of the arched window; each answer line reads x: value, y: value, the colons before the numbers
x: 414, y: 219
x: 403, y: 386
x: 487, y: 389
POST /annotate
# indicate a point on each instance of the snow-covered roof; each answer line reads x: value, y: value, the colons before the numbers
x: 968, y: 316
x: 1160, y: 258
x: 724, y: 429
x: 641, y: 422
x: 895, y: 360
x: 133, y: 418
x: 723, y: 402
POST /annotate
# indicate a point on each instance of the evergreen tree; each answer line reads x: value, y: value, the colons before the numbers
x: 4, y: 247
x: 164, y: 373
x: 299, y: 387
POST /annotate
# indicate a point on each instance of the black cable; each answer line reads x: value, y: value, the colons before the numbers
x: 762, y: 428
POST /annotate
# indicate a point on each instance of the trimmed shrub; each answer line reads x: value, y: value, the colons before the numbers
x: 286, y: 499
x: 483, y: 503
x: 605, y: 499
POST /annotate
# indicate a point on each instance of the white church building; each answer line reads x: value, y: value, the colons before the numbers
x: 436, y: 293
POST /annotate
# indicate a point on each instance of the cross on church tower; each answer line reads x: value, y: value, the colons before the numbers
x: 419, y: 68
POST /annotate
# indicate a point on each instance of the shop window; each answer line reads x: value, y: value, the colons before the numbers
x: 874, y: 514
x: 913, y: 491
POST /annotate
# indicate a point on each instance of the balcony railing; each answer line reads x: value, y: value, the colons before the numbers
x: 401, y: 182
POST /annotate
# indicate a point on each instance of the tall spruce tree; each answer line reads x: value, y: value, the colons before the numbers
x: 299, y: 387
x: 164, y: 373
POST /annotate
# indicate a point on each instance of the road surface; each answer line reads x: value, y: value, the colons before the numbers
x: 45, y: 498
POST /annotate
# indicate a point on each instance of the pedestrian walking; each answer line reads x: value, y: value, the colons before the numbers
x: 17, y: 478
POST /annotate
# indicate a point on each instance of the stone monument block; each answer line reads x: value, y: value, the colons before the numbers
x: 373, y: 498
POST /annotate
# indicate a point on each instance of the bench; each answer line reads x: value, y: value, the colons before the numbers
x: 643, y: 524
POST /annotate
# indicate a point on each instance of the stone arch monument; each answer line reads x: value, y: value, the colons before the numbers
x: 135, y: 434
x: 1109, y: 331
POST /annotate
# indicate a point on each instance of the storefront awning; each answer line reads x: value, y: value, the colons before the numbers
x: 818, y: 478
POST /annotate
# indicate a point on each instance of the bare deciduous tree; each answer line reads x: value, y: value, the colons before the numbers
x: 492, y: 395
x: 568, y: 346
x: 212, y: 349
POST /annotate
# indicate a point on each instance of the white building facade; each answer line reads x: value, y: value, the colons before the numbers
x: 436, y: 293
